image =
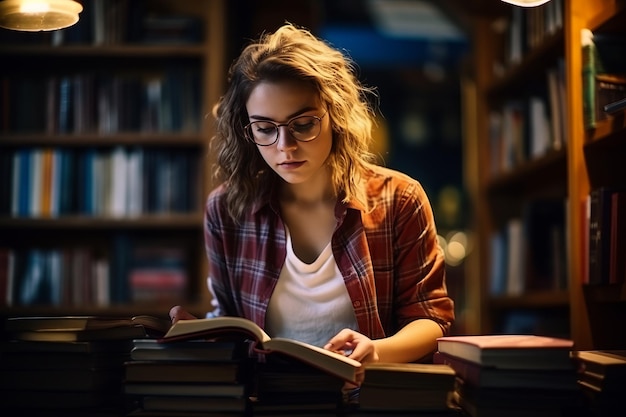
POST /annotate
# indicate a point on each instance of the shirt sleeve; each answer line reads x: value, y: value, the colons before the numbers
x: 217, y: 282
x: 420, y: 287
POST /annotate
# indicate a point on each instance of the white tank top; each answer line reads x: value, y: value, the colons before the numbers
x: 310, y: 302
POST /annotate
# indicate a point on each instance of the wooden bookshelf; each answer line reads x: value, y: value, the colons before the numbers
x: 178, y: 227
x: 589, y: 158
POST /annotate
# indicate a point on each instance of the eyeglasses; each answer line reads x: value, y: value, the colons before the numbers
x: 301, y: 128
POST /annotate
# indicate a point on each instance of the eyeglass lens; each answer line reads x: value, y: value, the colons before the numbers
x: 303, y: 128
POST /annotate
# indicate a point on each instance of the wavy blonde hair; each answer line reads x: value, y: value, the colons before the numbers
x: 292, y: 53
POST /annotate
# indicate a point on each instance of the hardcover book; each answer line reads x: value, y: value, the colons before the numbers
x: 599, y: 234
x: 205, y: 405
x: 60, y: 335
x: 106, y: 380
x: 184, y: 389
x: 331, y: 362
x: 406, y: 386
x: 392, y: 399
x: 478, y: 402
x: 18, y: 324
x: 187, y: 351
x: 609, y: 364
x: 59, y: 347
x: 617, y: 244
x: 492, y: 377
x: 512, y: 351
x: 84, y: 328
x: 164, y: 371
x: 409, y: 375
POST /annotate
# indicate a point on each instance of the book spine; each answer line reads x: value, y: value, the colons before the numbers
x: 588, y: 74
x: 599, y: 235
x: 617, y: 261
x: 469, y: 374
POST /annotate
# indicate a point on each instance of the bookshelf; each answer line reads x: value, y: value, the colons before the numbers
x: 105, y: 159
x: 517, y: 51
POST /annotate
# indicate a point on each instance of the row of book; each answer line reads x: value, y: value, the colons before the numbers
x: 529, y: 27
x: 110, y: 182
x: 529, y: 253
x: 103, y: 102
x: 73, y: 277
x: 217, y: 366
x: 150, y: 274
x: 112, y: 22
x: 527, y: 128
x: 143, y: 366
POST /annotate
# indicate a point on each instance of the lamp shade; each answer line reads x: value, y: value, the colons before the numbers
x: 526, y: 3
x: 38, y: 15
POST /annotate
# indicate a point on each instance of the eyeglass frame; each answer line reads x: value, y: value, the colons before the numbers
x: 278, y: 125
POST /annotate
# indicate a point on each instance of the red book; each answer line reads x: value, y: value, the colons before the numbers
x: 510, y: 351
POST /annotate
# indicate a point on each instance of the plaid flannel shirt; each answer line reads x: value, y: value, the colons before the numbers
x: 387, y: 252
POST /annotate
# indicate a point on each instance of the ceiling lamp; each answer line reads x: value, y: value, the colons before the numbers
x: 38, y: 15
x: 526, y: 3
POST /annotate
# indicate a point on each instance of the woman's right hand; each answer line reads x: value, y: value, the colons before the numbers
x: 179, y: 313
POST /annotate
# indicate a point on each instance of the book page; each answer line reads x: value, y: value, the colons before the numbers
x: 326, y: 360
x: 215, y: 326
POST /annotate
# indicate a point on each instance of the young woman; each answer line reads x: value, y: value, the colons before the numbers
x: 306, y: 236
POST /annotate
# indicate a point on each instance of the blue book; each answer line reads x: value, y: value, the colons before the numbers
x: 24, y: 182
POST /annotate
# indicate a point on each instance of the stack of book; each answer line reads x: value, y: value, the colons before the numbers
x: 393, y: 388
x: 68, y: 365
x: 511, y: 375
x: 286, y: 386
x: 187, y: 377
x: 602, y: 378
x: 286, y: 376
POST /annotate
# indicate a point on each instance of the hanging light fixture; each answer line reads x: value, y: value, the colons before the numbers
x: 526, y: 3
x: 38, y: 15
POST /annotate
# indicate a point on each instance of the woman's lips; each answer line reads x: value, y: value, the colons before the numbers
x: 291, y: 164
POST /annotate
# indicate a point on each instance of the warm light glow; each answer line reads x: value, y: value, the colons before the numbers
x: 526, y: 3
x: 456, y: 246
x: 34, y: 6
x: 456, y: 251
x: 38, y: 15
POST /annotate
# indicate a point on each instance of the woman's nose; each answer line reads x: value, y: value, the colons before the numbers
x: 285, y: 139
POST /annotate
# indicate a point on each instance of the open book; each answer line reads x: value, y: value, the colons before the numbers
x: 331, y: 362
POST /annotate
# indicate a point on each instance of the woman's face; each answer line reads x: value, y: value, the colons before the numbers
x: 294, y: 161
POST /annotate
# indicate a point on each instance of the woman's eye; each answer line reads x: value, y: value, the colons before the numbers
x: 265, y: 128
x: 302, y: 127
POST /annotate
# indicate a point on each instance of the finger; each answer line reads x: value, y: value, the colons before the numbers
x: 360, y: 352
x: 341, y: 340
x: 178, y: 313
